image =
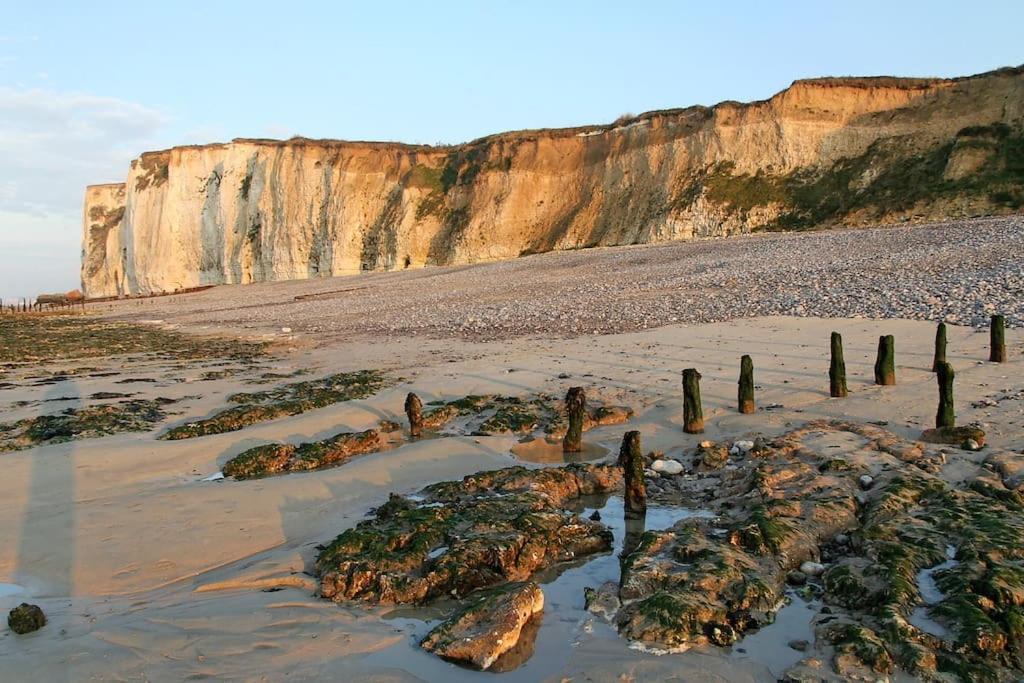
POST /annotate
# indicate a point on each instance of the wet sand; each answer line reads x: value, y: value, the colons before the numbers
x: 145, y: 570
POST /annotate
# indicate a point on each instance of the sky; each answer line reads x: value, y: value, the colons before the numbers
x: 87, y: 86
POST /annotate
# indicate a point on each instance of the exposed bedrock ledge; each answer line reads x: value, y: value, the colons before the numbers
x: 821, y: 152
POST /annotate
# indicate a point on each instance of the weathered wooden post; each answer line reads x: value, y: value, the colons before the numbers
x: 575, y: 408
x: 945, y: 417
x: 693, y: 413
x: 885, y: 364
x: 998, y: 338
x: 746, y: 392
x: 632, y: 462
x: 837, y: 369
x: 414, y: 411
x: 940, y: 347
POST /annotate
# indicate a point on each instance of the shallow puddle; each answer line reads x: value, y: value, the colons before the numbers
x: 9, y: 589
x: 770, y: 645
x: 931, y: 595
x: 550, y: 453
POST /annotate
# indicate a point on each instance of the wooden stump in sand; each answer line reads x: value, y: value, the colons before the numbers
x: 414, y: 410
x: 693, y: 413
x: 940, y: 347
x: 885, y: 364
x: 998, y: 338
x: 576, y: 409
x: 746, y: 391
x: 837, y: 369
x: 632, y: 462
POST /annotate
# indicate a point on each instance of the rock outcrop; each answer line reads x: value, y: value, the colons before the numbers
x: 822, y: 152
x: 490, y: 626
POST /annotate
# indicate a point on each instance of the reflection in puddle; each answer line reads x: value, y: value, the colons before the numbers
x: 550, y: 453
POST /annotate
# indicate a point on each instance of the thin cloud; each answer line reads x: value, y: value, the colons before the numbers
x: 53, y: 144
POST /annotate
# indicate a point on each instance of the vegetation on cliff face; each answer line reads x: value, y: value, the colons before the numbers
x: 890, y: 177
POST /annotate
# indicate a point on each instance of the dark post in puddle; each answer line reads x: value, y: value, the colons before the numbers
x: 998, y: 339
x: 940, y: 347
x: 576, y: 408
x: 414, y: 411
x: 945, y: 416
x: 885, y: 364
x: 632, y: 462
x: 746, y: 392
x: 693, y: 413
x: 837, y: 369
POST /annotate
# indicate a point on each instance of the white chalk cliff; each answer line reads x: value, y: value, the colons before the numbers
x: 821, y: 152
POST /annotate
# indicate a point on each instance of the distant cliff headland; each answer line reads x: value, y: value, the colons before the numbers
x: 830, y: 151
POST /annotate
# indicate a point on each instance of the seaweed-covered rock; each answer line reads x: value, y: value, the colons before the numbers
x: 26, y: 618
x: 262, y: 461
x: 285, y: 401
x: 540, y: 414
x: 957, y: 436
x: 859, y: 652
x: 488, y: 627
x: 908, y: 526
x: 490, y: 528
x: 698, y: 582
x: 89, y: 422
x: 682, y: 586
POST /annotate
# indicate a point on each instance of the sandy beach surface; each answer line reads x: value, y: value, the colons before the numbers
x: 147, y: 570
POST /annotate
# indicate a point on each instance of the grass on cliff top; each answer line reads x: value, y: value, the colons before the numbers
x: 44, y: 338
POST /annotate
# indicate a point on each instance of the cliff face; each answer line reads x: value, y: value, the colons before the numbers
x: 821, y: 152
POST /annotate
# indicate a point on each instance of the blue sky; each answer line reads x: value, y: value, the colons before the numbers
x: 85, y: 87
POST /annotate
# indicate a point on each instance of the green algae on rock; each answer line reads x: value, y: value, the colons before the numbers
x: 270, y: 459
x: 135, y: 415
x: 455, y: 537
x: 956, y: 436
x: 43, y: 338
x: 698, y: 582
x: 284, y: 401
x: 541, y: 414
x: 26, y: 618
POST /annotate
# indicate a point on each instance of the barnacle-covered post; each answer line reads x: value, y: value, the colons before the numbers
x: 575, y: 408
x: 998, y: 338
x: 746, y: 391
x: 945, y: 416
x: 414, y: 411
x: 632, y: 462
x: 940, y: 347
x: 885, y: 364
x: 693, y: 413
x: 837, y: 369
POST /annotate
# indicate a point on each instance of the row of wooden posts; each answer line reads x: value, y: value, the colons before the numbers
x: 885, y: 375
x: 631, y: 455
x: 27, y: 305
